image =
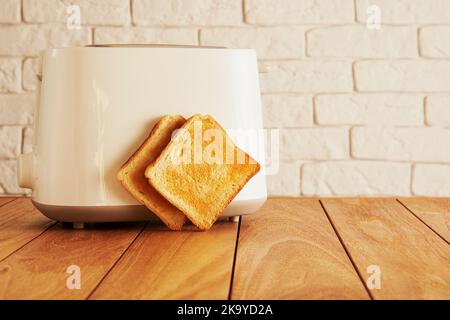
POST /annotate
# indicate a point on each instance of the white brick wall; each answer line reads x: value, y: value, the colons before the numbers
x: 307, y: 76
x: 360, y: 111
x: 403, y: 75
x: 274, y: 12
x: 10, y: 75
x: 431, y: 180
x: 287, y: 181
x: 138, y: 35
x: 10, y: 12
x: 98, y: 12
x: 16, y: 109
x: 356, y: 178
x: 402, y: 144
x: 359, y: 41
x: 29, y: 73
x: 407, y: 11
x: 369, y: 109
x: 187, y: 13
x: 437, y: 110
x: 269, y: 42
x: 314, y: 144
x: 8, y: 183
x: 28, y: 39
x: 27, y: 146
x: 287, y: 110
x: 435, y: 42
x: 10, y: 141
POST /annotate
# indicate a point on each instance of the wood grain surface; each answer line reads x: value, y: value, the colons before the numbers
x: 4, y: 200
x: 435, y: 212
x: 174, y: 265
x: 20, y: 222
x: 39, y: 269
x: 290, y: 251
x: 414, y: 261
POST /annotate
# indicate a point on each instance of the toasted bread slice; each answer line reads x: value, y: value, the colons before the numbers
x: 132, y: 176
x: 196, y: 178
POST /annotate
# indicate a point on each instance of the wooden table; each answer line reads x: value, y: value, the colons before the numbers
x: 294, y: 248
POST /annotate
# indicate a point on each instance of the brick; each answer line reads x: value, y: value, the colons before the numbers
x: 307, y: 76
x: 10, y: 75
x: 273, y: 12
x: 407, y: 11
x: 404, y: 144
x: 187, y: 13
x: 146, y: 35
x: 359, y: 41
x: 287, y: 111
x: 269, y: 42
x: 373, y: 109
x: 98, y: 12
x: 16, y: 109
x: 27, y: 145
x: 8, y: 177
x: 286, y: 182
x: 10, y: 142
x: 431, y: 180
x: 437, y: 110
x: 434, y: 42
x: 29, y: 72
x: 30, y: 39
x: 10, y: 12
x: 355, y: 178
x: 403, y: 75
x: 314, y: 144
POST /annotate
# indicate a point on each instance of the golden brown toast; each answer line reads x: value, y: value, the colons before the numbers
x: 132, y: 173
x: 197, y: 175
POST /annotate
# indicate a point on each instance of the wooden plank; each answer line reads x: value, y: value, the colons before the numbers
x: 5, y: 200
x: 39, y: 269
x: 289, y: 251
x: 435, y: 212
x: 174, y: 265
x: 20, y: 222
x: 414, y: 262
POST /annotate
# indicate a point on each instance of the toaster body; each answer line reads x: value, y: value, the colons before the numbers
x: 96, y: 105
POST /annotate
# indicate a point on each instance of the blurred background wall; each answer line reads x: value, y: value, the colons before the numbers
x: 359, y: 89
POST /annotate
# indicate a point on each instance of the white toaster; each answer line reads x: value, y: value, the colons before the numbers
x: 97, y: 104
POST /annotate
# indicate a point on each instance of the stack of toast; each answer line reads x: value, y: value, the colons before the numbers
x: 187, y: 169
